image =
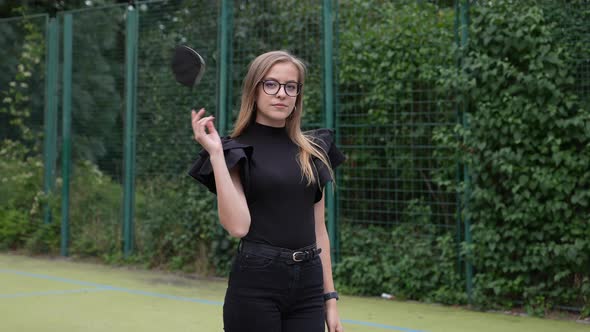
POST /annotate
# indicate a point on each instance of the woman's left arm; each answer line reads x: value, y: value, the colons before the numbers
x: 323, y: 241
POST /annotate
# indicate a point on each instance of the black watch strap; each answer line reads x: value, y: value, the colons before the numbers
x: 331, y: 295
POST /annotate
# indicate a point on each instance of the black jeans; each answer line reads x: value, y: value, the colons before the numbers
x: 274, y: 294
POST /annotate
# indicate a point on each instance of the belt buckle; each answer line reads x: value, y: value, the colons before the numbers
x: 295, y: 259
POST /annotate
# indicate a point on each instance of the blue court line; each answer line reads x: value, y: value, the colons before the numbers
x: 112, y: 288
x: 46, y: 277
x: 100, y: 287
x: 55, y: 292
x: 377, y: 325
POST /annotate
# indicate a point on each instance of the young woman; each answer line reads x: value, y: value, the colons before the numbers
x: 269, y: 179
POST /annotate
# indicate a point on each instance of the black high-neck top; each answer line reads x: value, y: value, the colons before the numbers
x: 280, y: 202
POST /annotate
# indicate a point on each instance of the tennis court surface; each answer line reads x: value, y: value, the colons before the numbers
x: 42, y: 294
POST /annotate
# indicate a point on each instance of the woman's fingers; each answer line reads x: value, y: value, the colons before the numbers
x: 195, y: 116
x: 211, y: 127
x: 199, y: 127
x: 336, y: 328
x: 203, y: 122
x: 203, y: 127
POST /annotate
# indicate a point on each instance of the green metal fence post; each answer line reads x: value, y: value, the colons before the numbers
x: 224, y: 99
x: 224, y: 70
x: 329, y: 100
x: 336, y: 242
x: 466, y: 174
x: 459, y: 169
x: 50, y: 121
x: 66, y: 133
x: 130, y: 119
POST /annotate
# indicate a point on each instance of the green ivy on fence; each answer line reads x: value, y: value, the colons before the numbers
x: 527, y: 146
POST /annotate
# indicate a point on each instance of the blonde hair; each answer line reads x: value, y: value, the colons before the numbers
x: 258, y: 68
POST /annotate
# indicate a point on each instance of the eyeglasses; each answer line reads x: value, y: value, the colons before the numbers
x: 272, y: 87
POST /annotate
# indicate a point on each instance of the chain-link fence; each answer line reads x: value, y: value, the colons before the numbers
x: 387, y: 115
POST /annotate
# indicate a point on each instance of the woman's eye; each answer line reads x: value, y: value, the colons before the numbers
x: 292, y: 87
x: 271, y: 84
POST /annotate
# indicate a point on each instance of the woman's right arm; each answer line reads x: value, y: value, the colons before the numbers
x: 231, y: 201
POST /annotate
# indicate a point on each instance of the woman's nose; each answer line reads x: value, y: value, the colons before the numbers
x: 282, y: 92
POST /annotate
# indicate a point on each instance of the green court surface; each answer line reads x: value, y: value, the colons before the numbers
x: 40, y: 294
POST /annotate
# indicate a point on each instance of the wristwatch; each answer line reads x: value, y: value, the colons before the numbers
x: 331, y: 295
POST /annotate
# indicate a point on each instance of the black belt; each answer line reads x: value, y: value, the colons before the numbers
x: 268, y: 251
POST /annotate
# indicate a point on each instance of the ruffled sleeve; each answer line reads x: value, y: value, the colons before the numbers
x: 235, y: 154
x: 325, y: 139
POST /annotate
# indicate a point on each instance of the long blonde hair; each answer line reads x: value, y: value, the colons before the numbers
x: 307, y: 147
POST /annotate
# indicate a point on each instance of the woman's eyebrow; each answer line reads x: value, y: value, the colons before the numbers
x: 274, y: 79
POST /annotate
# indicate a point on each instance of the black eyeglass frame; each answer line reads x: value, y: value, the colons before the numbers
x: 283, y: 85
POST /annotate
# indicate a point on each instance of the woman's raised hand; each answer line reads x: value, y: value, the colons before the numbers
x: 205, y: 132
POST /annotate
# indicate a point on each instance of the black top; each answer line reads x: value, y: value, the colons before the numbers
x: 280, y: 202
